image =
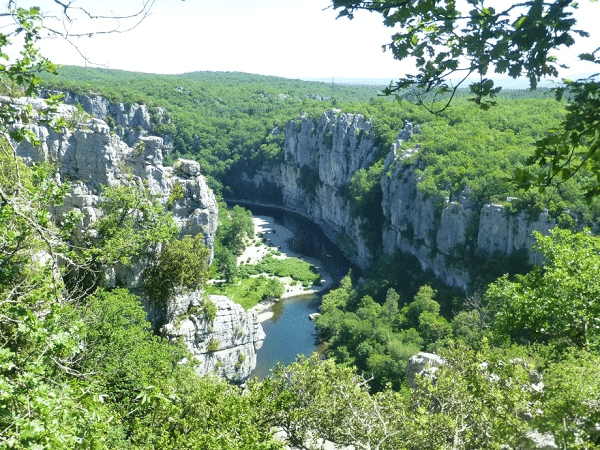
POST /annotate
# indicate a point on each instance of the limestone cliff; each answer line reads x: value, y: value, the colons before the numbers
x: 225, y: 345
x: 320, y: 158
x: 91, y: 155
x: 128, y: 121
x: 436, y: 233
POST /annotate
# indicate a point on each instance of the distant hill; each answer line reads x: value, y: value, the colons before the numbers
x: 139, y: 87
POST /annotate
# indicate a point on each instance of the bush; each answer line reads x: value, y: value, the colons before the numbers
x: 294, y: 268
x: 181, y: 266
x: 213, y: 345
x: 209, y: 309
x: 248, y: 292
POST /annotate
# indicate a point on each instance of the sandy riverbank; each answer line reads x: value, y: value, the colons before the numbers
x: 277, y: 237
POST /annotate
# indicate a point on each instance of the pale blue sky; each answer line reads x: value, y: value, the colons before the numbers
x: 289, y: 38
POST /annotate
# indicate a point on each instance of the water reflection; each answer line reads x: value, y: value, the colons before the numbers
x: 277, y: 310
x: 289, y: 333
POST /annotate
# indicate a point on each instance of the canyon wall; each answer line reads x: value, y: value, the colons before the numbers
x: 129, y: 121
x: 320, y: 158
x: 439, y: 234
x: 89, y: 156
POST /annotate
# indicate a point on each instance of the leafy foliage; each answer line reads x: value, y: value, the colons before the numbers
x: 378, y: 339
x: 294, y: 268
x: 573, y: 147
x: 518, y: 39
x: 235, y: 228
x: 572, y: 393
x: 181, y: 266
x: 557, y: 302
x: 250, y: 291
x: 466, y: 406
x: 313, y: 398
x: 132, y: 220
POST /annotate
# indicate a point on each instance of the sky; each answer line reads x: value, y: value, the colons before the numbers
x: 287, y: 38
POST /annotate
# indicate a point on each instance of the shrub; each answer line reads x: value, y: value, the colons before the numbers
x: 213, y: 345
x: 209, y: 309
x: 181, y: 266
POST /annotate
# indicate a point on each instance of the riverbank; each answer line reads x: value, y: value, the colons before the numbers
x: 271, y: 236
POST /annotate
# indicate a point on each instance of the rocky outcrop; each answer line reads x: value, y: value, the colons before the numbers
x: 433, y: 232
x: 422, y: 365
x: 225, y: 345
x: 90, y: 156
x: 320, y: 158
x: 129, y: 121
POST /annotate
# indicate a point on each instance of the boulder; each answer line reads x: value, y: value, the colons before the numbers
x: 226, y: 345
x: 423, y: 365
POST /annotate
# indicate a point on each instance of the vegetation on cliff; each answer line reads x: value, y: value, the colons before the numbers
x: 234, y: 123
x: 82, y: 369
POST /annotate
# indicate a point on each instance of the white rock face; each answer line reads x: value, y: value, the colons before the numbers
x: 130, y: 121
x: 320, y: 158
x: 226, y: 346
x: 507, y: 233
x: 331, y: 149
x: 337, y: 145
x: 417, y: 226
x: 90, y: 156
x: 423, y: 365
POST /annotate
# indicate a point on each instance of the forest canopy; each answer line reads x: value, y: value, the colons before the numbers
x: 473, y: 41
x: 232, y: 122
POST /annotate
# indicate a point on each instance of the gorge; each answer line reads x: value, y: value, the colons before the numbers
x: 320, y: 158
x: 132, y: 298
x: 219, y: 336
x: 91, y: 157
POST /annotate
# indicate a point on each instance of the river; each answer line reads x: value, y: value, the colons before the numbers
x: 289, y: 332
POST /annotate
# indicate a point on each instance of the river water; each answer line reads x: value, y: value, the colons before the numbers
x: 289, y: 332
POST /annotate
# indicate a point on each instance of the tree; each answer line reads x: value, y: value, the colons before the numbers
x: 234, y: 230
x: 521, y: 39
x: 181, y: 266
x: 72, y: 20
x: 46, y: 402
x: 313, y: 399
x: 571, y: 400
x: 133, y: 221
x: 558, y: 302
x: 476, y: 399
x: 121, y: 352
x: 423, y: 301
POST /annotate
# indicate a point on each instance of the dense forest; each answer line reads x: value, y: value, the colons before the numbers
x: 81, y: 367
